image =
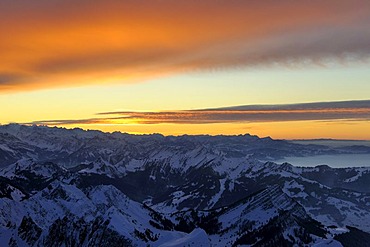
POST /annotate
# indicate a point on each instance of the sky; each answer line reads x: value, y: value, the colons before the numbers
x: 188, y: 67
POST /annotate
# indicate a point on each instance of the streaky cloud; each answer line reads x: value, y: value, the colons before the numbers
x: 317, y: 111
x: 300, y: 106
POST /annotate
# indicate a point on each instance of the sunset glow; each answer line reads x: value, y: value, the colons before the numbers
x: 187, y: 67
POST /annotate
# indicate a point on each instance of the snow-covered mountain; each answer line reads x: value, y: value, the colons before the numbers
x: 70, y: 147
x: 62, y: 187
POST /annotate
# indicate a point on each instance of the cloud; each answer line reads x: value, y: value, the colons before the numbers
x: 8, y: 79
x: 64, y: 43
x: 320, y: 111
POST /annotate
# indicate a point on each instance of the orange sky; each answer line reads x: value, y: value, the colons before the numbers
x: 53, y: 51
x: 63, y: 43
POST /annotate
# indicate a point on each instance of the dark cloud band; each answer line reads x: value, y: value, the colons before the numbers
x: 321, y: 111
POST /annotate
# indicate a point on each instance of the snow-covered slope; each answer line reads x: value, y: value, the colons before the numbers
x: 63, y: 212
x: 89, y: 188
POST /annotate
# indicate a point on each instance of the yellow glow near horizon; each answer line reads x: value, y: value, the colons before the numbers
x: 351, y: 130
x: 154, y: 96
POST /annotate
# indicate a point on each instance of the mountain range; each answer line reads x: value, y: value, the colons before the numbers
x: 71, y: 187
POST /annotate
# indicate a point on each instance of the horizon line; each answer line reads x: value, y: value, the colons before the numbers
x: 181, y: 135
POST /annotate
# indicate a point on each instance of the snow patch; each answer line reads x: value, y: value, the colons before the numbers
x: 197, y: 238
x: 218, y: 195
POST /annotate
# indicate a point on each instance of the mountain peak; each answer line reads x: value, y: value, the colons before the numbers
x: 100, y: 189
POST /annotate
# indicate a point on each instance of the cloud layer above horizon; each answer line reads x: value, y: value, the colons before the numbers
x: 47, y: 44
x: 321, y: 111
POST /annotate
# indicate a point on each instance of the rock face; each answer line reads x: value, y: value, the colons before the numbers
x: 88, y: 188
x: 29, y: 231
